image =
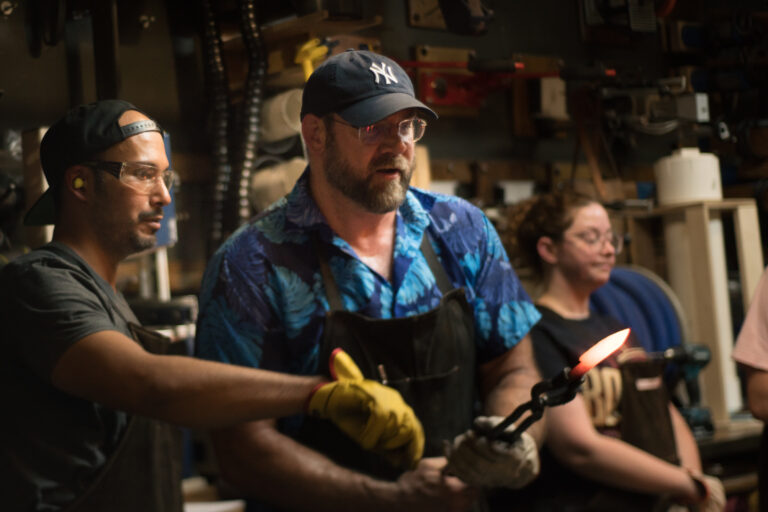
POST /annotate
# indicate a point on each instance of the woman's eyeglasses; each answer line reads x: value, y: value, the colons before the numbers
x: 595, y: 240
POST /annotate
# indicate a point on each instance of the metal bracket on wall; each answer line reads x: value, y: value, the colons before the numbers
x: 44, y: 22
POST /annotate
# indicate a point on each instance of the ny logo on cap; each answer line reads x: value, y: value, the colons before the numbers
x: 383, y: 70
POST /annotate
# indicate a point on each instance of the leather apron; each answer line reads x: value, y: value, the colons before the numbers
x: 144, y: 471
x: 429, y: 358
x: 645, y: 424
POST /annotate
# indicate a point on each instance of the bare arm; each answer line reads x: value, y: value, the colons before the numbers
x: 687, y: 449
x: 264, y: 463
x: 110, y: 368
x: 574, y: 441
x: 757, y: 391
x: 506, y: 382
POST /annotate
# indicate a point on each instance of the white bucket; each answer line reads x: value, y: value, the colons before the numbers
x: 280, y: 116
x: 687, y: 175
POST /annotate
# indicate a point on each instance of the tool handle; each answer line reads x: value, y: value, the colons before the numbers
x: 499, y: 428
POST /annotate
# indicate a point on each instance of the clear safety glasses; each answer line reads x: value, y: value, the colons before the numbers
x: 140, y: 177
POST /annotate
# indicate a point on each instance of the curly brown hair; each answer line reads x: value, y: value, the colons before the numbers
x: 547, y: 215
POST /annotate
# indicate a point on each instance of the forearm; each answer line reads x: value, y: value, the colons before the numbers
x: 619, y: 464
x: 507, y: 383
x: 206, y: 394
x: 265, y: 464
x: 110, y: 369
x: 687, y: 449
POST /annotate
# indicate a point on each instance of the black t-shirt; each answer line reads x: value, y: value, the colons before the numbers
x: 52, y: 443
x: 558, y: 342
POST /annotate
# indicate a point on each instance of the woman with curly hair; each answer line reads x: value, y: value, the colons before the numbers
x: 589, y: 463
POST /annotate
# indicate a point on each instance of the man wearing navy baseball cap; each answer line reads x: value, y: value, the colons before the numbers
x: 414, y: 285
x: 88, y: 393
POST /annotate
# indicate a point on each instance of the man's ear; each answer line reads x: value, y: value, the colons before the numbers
x: 547, y: 250
x: 76, y: 180
x: 314, y: 133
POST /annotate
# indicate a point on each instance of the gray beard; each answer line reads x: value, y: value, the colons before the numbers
x: 375, y: 199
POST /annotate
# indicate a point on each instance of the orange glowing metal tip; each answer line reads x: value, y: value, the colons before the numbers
x: 598, y: 352
x: 558, y: 390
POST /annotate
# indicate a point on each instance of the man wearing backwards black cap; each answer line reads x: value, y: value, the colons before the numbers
x: 414, y: 285
x: 77, y: 386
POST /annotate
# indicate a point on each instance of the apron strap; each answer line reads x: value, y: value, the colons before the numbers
x: 332, y: 290
x: 441, y: 276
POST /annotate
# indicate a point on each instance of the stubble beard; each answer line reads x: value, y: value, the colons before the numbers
x: 362, y: 190
x: 121, y: 237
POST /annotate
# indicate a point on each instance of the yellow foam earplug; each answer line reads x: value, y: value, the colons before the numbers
x: 78, y: 183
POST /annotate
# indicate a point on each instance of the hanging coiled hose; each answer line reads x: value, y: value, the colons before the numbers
x: 251, y: 111
x: 218, y: 89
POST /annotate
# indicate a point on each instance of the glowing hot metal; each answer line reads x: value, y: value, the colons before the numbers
x: 598, y: 352
x: 558, y: 390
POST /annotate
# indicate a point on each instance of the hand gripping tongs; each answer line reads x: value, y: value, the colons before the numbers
x: 558, y: 390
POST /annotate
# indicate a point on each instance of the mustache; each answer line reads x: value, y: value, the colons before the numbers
x: 150, y: 215
x: 391, y: 162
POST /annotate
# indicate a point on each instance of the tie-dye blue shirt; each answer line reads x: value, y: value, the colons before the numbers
x: 263, y: 302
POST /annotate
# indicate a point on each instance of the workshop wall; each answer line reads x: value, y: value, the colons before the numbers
x: 49, y: 63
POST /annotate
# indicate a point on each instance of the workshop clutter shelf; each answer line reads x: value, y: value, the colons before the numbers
x: 694, y: 264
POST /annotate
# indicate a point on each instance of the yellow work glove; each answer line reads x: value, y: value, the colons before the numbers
x: 375, y: 416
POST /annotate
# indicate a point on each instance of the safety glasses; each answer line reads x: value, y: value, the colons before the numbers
x: 141, y: 177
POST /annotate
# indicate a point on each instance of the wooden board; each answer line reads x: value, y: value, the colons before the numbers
x: 426, y: 14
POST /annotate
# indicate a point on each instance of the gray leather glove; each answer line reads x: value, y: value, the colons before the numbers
x: 713, y: 500
x: 481, y: 463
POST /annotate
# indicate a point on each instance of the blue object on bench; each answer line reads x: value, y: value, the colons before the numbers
x: 642, y: 301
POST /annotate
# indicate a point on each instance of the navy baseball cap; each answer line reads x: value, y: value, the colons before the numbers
x: 83, y: 132
x: 362, y: 87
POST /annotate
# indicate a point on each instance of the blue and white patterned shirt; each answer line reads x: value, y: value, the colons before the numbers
x: 263, y: 302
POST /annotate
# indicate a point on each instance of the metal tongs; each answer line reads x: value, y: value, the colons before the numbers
x: 558, y: 390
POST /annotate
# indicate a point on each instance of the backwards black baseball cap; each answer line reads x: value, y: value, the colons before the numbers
x: 362, y: 87
x: 83, y: 132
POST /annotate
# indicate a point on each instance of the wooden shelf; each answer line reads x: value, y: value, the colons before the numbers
x: 286, y: 79
x: 316, y: 24
x: 696, y: 271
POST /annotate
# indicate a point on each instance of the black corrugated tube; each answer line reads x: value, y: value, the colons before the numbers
x: 218, y: 89
x: 254, y: 89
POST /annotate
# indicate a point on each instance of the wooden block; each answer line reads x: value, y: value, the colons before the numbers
x: 425, y: 14
x: 749, y: 248
x: 427, y: 88
x: 421, y: 172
